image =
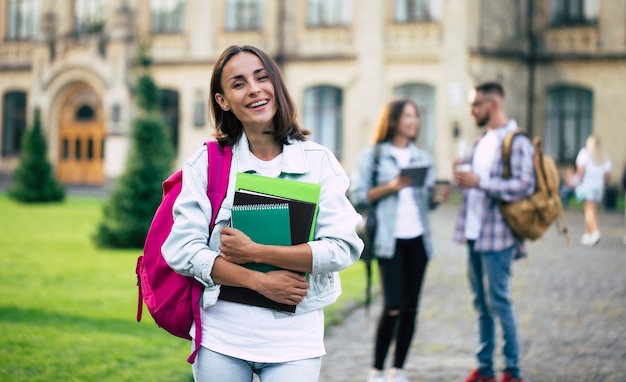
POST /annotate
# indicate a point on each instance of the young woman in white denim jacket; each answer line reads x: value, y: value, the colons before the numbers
x: 403, y: 242
x: 256, y: 116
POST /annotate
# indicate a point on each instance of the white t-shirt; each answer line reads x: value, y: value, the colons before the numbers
x: 254, y: 334
x: 408, y: 223
x: 482, y: 162
x: 594, y: 172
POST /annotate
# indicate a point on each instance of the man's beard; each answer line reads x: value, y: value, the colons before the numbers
x: 482, y: 122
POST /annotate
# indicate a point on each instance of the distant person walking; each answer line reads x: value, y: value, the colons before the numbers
x: 403, y: 242
x: 491, y: 243
x: 594, y: 170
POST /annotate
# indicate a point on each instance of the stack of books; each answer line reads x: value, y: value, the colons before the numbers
x: 272, y: 211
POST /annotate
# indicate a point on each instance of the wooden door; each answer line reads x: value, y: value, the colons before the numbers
x: 81, y: 139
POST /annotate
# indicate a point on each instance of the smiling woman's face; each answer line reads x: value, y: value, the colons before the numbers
x: 409, y: 122
x: 248, y: 92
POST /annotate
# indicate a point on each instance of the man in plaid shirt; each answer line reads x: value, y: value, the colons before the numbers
x: 491, y: 243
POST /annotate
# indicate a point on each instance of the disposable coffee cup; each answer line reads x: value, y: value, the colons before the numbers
x: 464, y: 167
x: 442, y: 188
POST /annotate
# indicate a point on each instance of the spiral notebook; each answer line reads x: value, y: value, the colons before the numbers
x: 266, y: 224
x: 283, y: 188
x: 301, y: 213
x: 302, y: 197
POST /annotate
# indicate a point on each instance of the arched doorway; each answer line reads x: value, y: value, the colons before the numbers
x: 81, y: 138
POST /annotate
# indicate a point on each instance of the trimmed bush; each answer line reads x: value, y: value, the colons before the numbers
x: 33, y: 180
x: 135, y: 197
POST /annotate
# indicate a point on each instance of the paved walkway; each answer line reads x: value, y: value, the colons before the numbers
x: 570, y: 305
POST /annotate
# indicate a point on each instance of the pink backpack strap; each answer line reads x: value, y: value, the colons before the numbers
x: 218, y: 172
x: 217, y: 176
x: 196, y: 294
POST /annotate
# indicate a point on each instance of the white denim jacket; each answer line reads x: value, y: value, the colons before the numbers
x: 336, y: 245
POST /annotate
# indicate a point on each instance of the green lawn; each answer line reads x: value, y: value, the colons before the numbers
x: 67, y: 308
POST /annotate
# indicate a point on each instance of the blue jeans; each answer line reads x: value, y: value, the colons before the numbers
x: 489, y: 275
x: 211, y: 366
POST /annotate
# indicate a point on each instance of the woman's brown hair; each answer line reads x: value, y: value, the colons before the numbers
x: 389, y: 118
x: 229, y: 128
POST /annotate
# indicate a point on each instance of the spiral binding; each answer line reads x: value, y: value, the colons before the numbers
x: 261, y: 207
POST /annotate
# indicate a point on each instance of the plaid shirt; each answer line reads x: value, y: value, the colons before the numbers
x: 495, y: 234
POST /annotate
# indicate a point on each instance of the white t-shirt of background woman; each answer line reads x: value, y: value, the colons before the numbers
x: 408, y: 223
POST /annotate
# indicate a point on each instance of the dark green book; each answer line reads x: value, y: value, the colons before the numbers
x: 264, y: 224
x: 283, y: 188
x: 301, y: 213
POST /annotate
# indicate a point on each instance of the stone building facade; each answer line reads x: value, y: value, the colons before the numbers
x: 562, y: 63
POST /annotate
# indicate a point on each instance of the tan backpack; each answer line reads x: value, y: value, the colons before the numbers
x: 531, y: 217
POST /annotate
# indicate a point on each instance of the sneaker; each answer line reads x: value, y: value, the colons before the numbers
x: 397, y: 375
x: 594, y: 238
x: 376, y: 375
x: 585, y: 239
x: 508, y: 377
x: 475, y: 376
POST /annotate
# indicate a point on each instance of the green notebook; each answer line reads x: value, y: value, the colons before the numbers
x: 264, y: 224
x: 290, y: 189
x: 301, y: 213
x: 286, y: 188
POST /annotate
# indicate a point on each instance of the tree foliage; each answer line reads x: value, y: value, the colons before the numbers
x: 34, y: 181
x: 128, y: 212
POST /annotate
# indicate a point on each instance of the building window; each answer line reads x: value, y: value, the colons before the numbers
x: 90, y: 149
x: 89, y: 16
x: 168, y: 16
x: 424, y: 97
x: 85, y: 113
x: 328, y: 13
x: 199, y: 114
x: 244, y: 14
x: 569, y: 118
x: 13, y: 122
x: 78, y: 147
x: 406, y: 11
x: 66, y: 149
x: 23, y: 19
x: 573, y: 12
x: 323, y: 107
x: 170, y: 108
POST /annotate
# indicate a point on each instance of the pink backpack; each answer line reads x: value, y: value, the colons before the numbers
x: 172, y: 299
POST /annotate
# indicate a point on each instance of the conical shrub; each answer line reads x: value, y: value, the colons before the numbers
x: 129, y: 209
x: 33, y: 180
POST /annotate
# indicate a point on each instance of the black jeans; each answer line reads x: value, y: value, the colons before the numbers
x: 402, y: 278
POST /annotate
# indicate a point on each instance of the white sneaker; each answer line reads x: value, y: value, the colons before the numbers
x: 594, y: 238
x: 585, y: 239
x: 376, y: 375
x: 397, y: 375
